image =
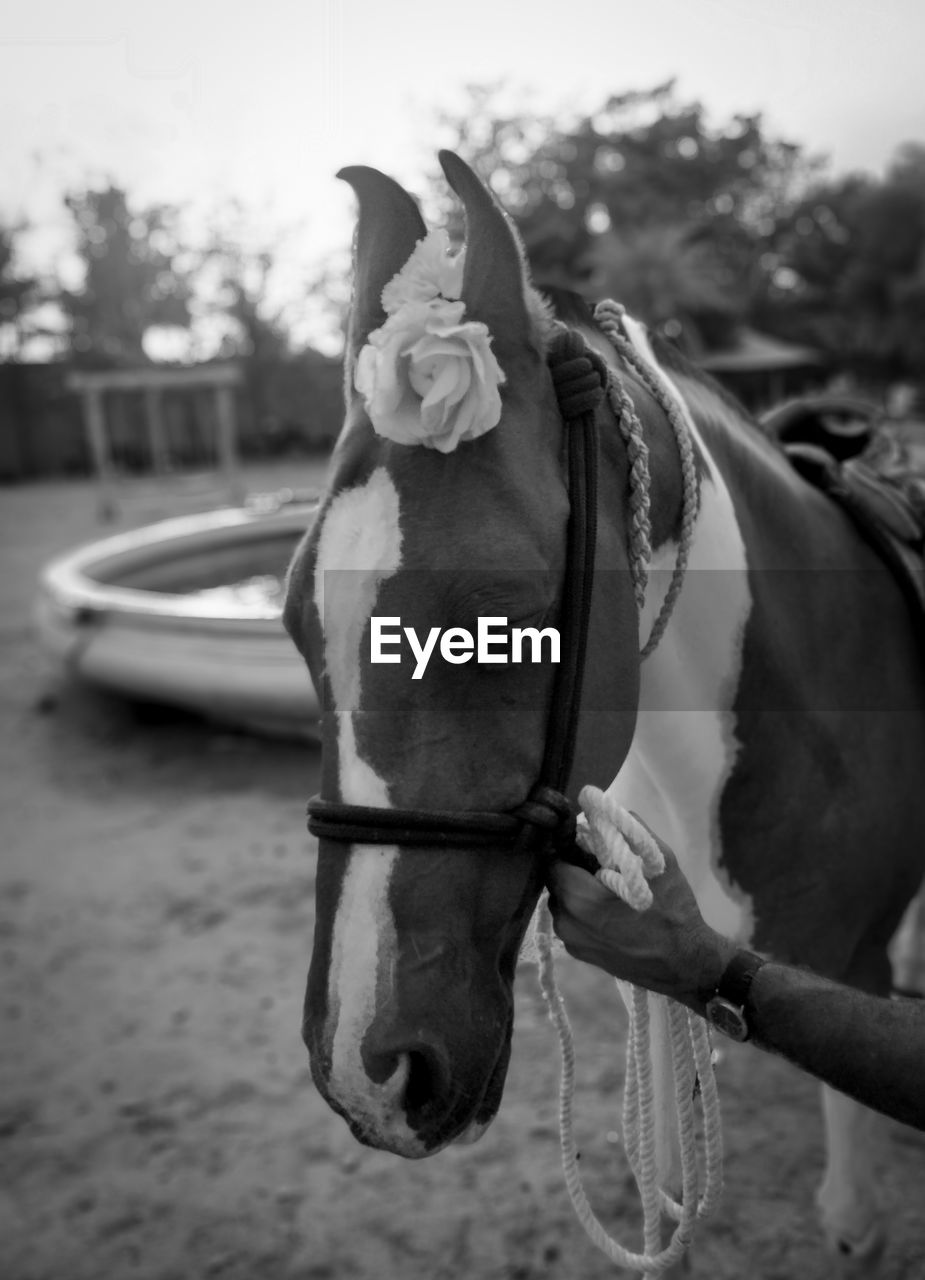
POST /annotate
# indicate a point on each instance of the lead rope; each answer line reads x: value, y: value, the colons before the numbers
x: 628, y: 856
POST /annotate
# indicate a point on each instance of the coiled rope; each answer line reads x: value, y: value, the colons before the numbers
x: 629, y: 857
x: 609, y: 316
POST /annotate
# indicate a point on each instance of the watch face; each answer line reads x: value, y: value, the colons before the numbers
x: 727, y: 1018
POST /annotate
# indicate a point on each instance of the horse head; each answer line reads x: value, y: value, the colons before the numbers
x: 408, y: 1011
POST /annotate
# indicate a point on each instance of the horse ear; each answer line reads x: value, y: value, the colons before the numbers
x: 494, y: 277
x: 389, y: 226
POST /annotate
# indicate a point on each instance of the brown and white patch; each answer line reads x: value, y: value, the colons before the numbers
x: 685, y: 744
x: 358, y: 549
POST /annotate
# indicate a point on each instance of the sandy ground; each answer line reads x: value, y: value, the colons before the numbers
x: 157, y: 1118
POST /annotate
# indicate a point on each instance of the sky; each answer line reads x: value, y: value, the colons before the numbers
x: 198, y: 101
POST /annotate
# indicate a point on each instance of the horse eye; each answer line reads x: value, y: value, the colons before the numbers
x: 524, y: 599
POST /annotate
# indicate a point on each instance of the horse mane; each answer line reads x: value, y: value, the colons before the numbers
x: 571, y: 308
x: 674, y: 361
x: 706, y: 397
x: 566, y: 306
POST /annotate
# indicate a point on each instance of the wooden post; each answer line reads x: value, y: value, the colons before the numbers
x: 95, y: 423
x: 157, y: 440
x: 227, y: 442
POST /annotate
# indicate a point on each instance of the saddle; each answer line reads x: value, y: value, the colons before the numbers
x: 843, y: 446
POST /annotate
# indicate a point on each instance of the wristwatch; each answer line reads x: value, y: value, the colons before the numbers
x: 726, y: 1004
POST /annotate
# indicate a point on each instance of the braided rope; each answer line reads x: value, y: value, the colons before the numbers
x: 628, y: 855
x: 609, y: 317
x: 637, y: 452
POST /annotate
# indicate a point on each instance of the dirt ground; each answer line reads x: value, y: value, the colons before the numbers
x: 157, y: 1118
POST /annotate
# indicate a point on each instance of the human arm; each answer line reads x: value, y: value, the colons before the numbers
x: 866, y: 1046
x: 869, y: 1047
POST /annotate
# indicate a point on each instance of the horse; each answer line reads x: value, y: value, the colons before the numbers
x: 774, y: 736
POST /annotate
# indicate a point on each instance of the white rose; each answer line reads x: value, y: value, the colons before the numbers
x: 430, y: 272
x: 429, y: 377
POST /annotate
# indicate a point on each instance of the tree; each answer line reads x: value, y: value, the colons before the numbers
x: 253, y: 299
x: 641, y: 197
x: 850, y: 270
x: 135, y: 276
x: 236, y: 271
x: 677, y: 281
x: 18, y: 294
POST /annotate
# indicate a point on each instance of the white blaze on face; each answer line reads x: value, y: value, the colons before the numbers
x: 685, y: 745
x: 358, y: 548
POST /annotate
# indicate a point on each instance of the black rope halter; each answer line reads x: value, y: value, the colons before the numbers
x: 545, y: 822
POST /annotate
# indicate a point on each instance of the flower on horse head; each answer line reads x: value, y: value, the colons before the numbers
x: 431, y: 272
x: 428, y: 376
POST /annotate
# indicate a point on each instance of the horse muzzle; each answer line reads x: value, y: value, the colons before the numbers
x: 413, y: 1086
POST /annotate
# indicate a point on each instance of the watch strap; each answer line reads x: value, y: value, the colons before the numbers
x: 737, y: 978
x: 725, y: 1005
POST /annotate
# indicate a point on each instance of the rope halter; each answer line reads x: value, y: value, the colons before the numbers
x: 545, y: 822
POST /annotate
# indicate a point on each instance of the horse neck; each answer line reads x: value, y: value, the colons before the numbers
x: 684, y: 744
x: 786, y: 524
x: 695, y: 663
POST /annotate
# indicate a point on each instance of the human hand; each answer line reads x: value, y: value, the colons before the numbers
x: 667, y: 948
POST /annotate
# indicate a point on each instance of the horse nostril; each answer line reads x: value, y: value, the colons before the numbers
x: 421, y: 1086
x: 428, y: 1079
x: 421, y: 1073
